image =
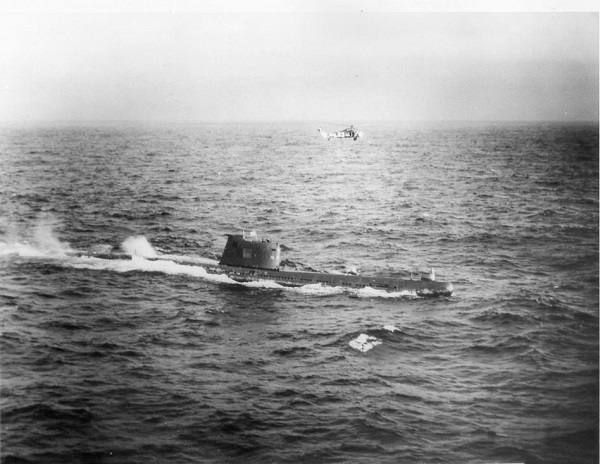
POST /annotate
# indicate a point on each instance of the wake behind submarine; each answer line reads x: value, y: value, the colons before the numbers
x: 248, y: 258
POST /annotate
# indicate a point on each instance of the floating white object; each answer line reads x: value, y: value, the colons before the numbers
x: 365, y: 343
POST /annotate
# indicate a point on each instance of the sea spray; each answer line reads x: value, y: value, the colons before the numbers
x: 139, y: 246
x: 40, y: 240
x: 45, y: 240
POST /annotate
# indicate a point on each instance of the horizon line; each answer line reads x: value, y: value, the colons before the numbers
x: 289, y: 121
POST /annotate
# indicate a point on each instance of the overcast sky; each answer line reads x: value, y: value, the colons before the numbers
x: 314, y: 61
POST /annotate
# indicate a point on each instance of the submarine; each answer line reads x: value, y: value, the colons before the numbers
x: 249, y: 258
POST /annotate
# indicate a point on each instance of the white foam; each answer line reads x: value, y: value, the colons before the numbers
x: 19, y: 249
x: 390, y: 328
x: 263, y: 284
x: 364, y: 343
x: 182, y: 259
x: 318, y: 289
x: 370, y: 292
x: 138, y: 263
x: 28, y: 250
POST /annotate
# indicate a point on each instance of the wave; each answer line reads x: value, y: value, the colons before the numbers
x: 62, y: 417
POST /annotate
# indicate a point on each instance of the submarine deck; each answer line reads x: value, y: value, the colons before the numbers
x: 300, y: 278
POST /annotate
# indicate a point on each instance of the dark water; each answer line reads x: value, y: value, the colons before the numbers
x: 140, y: 361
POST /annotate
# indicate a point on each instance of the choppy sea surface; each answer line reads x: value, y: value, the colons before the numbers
x: 138, y: 361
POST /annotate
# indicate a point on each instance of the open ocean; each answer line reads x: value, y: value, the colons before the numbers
x: 141, y: 361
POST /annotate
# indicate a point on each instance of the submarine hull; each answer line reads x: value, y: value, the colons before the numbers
x: 422, y: 287
x: 298, y: 278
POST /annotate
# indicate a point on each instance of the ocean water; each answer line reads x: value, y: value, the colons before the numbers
x: 137, y: 361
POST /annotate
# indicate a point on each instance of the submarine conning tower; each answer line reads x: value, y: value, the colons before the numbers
x: 248, y: 250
